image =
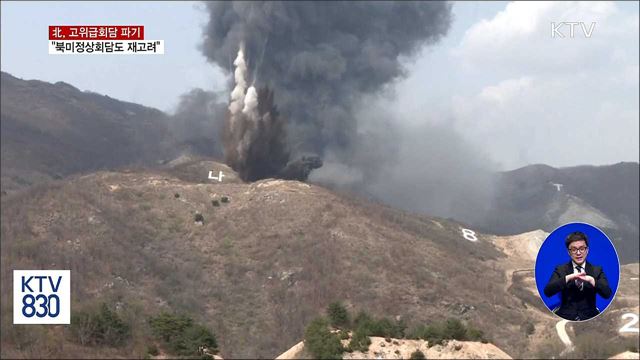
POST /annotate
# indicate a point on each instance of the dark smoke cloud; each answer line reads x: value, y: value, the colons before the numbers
x: 320, y: 58
x: 326, y: 62
x: 199, y: 118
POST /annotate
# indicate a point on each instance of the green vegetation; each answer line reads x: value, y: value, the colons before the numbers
x: 215, y: 202
x: 436, y: 333
x: 382, y: 327
x: 101, y: 327
x: 360, y: 341
x: 320, y: 342
x: 152, y: 350
x: 224, y: 199
x: 181, y: 336
x: 417, y: 355
x: 338, y: 315
x: 364, y: 326
x: 324, y: 344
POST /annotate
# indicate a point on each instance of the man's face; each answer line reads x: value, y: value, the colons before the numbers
x: 578, y: 251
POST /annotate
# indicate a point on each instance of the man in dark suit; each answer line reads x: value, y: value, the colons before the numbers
x: 579, y: 282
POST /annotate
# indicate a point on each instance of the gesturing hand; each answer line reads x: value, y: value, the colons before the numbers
x: 573, y: 276
x: 587, y: 278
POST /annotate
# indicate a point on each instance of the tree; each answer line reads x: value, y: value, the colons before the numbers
x: 103, y: 327
x: 454, y: 329
x: 360, y: 341
x: 167, y: 326
x: 320, y: 342
x: 363, y: 318
x: 181, y: 335
x: 338, y: 315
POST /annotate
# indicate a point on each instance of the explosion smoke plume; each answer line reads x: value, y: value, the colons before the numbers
x: 320, y: 59
x: 254, y: 136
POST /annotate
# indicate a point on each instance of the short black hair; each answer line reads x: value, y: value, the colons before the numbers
x: 576, y: 236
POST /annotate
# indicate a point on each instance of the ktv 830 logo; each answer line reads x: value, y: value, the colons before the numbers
x: 41, y: 296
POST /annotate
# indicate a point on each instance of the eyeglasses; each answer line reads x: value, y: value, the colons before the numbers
x: 578, y: 250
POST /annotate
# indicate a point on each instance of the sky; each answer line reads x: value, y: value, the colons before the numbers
x: 498, y: 78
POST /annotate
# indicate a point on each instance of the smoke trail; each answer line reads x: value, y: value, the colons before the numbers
x: 320, y: 59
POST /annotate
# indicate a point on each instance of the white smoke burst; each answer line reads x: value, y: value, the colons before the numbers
x: 240, y: 76
x: 251, y: 103
x: 243, y: 107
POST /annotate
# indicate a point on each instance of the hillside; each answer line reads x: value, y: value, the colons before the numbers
x: 543, y: 197
x: 261, y: 265
x: 52, y: 130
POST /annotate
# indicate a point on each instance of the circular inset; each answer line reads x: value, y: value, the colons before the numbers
x: 577, y: 271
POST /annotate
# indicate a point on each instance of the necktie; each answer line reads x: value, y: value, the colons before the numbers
x: 580, y: 284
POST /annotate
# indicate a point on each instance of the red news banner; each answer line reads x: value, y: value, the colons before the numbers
x: 101, y: 39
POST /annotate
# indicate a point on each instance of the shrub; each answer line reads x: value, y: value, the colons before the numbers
x: 379, y: 327
x: 320, y: 342
x: 224, y: 199
x: 176, y: 195
x: 590, y: 345
x: 436, y: 333
x: 528, y: 328
x: 362, y: 318
x: 417, y: 355
x: 365, y: 326
x: 199, y: 218
x: 167, y: 326
x: 152, y: 350
x: 400, y: 328
x: 215, y: 202
x: 103, y: 327
x: 338, y: 315
x: 433, y: 334
x: 383, y: 328
x: 454, y: 329
x: 475, y: 335
x: 181, y: 335
x: 360, y: 341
